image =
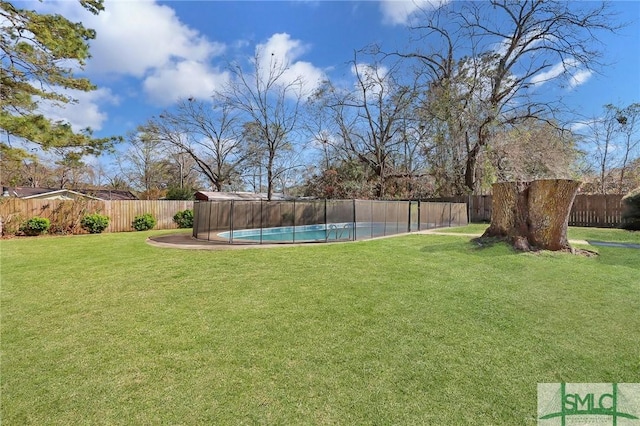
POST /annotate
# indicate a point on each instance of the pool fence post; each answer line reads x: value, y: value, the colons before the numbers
x: 294, y: 221
x: 261, y: 215
x: 450, y: 206
x: 384, y: 233
x: 231, y: 223
x: 354, y: 220
x: 409, y: 217
x: 419, y: 215
x: 209, y: 223
x: 326, y: 231
x: 371, y: 207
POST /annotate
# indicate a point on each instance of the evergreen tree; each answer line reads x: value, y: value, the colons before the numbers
x: 36, y: 51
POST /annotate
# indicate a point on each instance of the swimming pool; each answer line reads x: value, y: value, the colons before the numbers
x: 310, y: 233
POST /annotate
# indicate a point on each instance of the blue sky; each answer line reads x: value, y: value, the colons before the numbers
x: 148, y: 54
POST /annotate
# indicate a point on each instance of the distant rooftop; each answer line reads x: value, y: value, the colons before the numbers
x: 228, y: 196
x: 102, y: 194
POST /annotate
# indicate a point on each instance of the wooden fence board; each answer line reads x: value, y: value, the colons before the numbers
x: 604, y: 211
x: 121, y: 213
x: 587, y: 210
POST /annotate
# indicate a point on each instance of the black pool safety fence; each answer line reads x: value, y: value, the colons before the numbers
x: 301, y: 221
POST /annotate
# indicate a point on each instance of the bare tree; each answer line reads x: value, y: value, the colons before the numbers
x: 143, y: 164
x: 182, y: 171
x: 503, y: 51
x: 613, y: 141
x: 267, y: 99
x: 602, y: 135
x: 322, y: 129
x: 629, y: 120
x: 372, y: 120
x: 486, y: 57
x: 207, y: 133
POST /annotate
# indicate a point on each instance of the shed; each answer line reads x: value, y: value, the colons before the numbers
x: 245, y: 196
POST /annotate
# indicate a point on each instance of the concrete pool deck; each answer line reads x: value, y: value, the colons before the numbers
x: 187, y: 242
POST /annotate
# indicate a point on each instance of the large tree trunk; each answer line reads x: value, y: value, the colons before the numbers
x: 533, y: 215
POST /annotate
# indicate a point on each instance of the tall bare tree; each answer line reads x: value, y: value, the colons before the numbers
x: 486, y: 58
x: 613, y: 140
x: 207, y: 133
x: 372, y: 119
x: 143, y: 164
x: 629, y: 120
x: 267, y: 99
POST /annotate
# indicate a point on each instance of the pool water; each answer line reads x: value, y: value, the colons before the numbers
x: 311, y: 233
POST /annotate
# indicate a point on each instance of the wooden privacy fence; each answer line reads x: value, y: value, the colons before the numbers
x: 604, y: 211
x: 587, y: 210
x: 65, y: 215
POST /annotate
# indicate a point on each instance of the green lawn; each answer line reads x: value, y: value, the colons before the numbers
x: 417, y: 329
x: 574, y: 233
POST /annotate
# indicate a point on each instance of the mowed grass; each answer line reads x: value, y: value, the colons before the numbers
x: 573, y: 233
x: 417, y: 329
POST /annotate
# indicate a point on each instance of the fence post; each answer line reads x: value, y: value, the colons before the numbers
x: 355, y: 223
x: 209, y: 221
x: 325, y: 213
x: 231, y: 213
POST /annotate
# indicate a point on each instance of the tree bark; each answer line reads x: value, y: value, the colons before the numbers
x: 533, y: 215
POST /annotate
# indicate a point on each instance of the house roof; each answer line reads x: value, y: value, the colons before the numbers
x: 109, y: 194
x: 228, y: 196
x: 96, y: 194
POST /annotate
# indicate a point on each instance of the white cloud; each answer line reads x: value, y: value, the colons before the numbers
x: 399, y: 12
x: 531, y: 40
x: 579, y: 127
x: 134, y: 37
x: 183, y: 80
x: 148, y: 41
x: 553, y: 72
x: 579, y: 78
x: 568, y: 68
x: 86, y: 112
x: 373, y: 78
x: 281, y: 50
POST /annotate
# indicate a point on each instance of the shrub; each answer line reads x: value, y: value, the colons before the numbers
x: 12, y: 223
x: 184, y: 219
x: 94, y: 223
x: 631, y: 213
x: 143, y: 222
x: 36, y: 226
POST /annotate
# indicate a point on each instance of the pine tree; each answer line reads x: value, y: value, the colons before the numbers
x: 35, y: 52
